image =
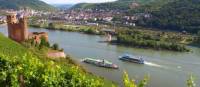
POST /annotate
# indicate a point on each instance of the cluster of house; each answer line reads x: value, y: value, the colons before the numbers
x: 82, y: 16
x: 85, y: 16
x: 26, y: 11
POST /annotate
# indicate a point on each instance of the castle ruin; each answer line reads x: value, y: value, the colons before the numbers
x: 18, y: 29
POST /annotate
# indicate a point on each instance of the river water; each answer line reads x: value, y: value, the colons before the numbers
x: 165, y: 68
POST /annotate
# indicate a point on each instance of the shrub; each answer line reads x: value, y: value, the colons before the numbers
x: 190, y: 82
x: 131, y: 83
x: 55, y: 46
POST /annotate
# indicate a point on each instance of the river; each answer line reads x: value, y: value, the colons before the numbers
x: 165, y: 68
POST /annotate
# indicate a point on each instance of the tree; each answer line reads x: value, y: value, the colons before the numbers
x: 55, y: 46
x: 90, y: 31
x: 51, y: 25
x: 43, y: 42
x: 176, y: 15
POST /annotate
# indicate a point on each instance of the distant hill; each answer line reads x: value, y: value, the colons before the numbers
x: 180, y: 15
x: 63, y: 6
x: 17, y: 4
x: 177, y: 15
x: 120, y: 4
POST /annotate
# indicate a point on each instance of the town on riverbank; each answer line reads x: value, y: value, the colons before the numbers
x: 128, y: 35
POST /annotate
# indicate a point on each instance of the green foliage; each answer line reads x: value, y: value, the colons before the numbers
x: 65, y: 27
x: 147, y: 40
x: 55, y: 46
x: 33, y: 4
x: 190, y: 82
x: 149, y: 6
x: 131, y: 83
x: 51, y: 25
x: 124, y: 5
x: 90, y: 31
x: 36, y: 73
x: 11, y: 48
x: 18, y: 66
x: 143, y: 83
x: 180, y: 15
x: 120, y: 5
x: 128, y: 82
x: 44, y: 43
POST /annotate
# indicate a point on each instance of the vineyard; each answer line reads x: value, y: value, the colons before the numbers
x: 21, y: 68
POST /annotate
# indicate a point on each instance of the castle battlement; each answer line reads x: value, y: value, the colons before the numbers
x: 18, y: 29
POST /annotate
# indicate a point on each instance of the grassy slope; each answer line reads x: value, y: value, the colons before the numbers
x: 12, y: 49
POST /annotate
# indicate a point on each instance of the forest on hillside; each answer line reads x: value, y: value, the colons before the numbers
x: 181, y: 15
x: 18, y: 4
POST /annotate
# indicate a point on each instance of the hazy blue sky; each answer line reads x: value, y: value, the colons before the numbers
x: 74, y: 1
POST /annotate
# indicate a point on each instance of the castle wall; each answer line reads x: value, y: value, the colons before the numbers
x: 37, y: 36
x: 17, y: 29
x: 24, y: 26
x: 15, y: 34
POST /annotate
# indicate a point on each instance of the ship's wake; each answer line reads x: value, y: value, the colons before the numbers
x: 154, y: 65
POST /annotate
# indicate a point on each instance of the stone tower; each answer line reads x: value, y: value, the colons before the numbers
x: 17, y: 27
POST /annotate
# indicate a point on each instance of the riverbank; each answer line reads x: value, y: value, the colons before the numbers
x: 70, y: 28
x: 134, y: 37
x: 36, y: 69
x: 162, y: 66
x: 153, y: 40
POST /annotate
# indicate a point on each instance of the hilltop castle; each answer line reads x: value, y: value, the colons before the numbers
x: 18, y: 29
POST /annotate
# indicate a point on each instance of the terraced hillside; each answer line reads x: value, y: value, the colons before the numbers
x: 20, y: 67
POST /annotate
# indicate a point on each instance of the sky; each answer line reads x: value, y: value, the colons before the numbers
x: 74, y: 1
